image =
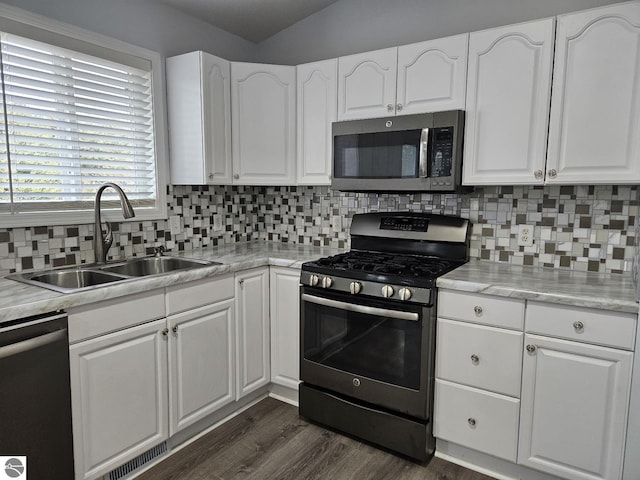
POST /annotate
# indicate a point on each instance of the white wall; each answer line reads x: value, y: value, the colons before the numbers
x: 144, y: 23
x: 353, y: 26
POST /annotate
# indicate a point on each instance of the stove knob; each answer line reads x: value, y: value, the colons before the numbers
x: 387, y: 291
x: 313, y: 280
x: 326, y: 282
x: 355, y: 288
x: 405, y: 294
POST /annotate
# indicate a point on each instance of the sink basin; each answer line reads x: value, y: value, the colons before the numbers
x: 140, y: 267
x: 72, y: 280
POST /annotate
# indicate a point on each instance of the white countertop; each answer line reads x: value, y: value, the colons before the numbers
x: 568, y: 287
x: 18, y: 300
x: 610, y: 292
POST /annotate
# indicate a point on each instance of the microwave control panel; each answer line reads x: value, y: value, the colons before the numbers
x: 442, y: 152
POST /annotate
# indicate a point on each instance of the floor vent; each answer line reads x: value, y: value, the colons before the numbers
x: 123, y: 471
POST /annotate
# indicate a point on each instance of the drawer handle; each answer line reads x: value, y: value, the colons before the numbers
x: 531, y: 348
x: 471, y: 421
x: 578, y: 326
x: 475, y: 359
x: 478, y: 310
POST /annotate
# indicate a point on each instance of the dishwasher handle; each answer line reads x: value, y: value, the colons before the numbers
x: 32, y: 343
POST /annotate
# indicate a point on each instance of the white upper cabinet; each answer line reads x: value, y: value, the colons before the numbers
x: 432, y: 75
x: 420, y: 77
x: 507, y: 113
x: 595, y: 107
x: 317, y: 102
x: 199, y: 110
x: 367, y: 84
x: 263, y: 99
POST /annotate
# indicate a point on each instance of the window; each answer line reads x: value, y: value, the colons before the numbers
x: 71, y: 121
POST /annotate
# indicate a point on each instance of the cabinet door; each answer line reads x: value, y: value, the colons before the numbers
x: 285, y: 326
x: 574, y: 408
x: 201, y: 362
x: 119, y: 397
x: 252, y: 300
x: 367, y: 84
x: 508, y: 91
x: 199, y: 111
x: 595, y: 108
x: 317, y: 108
x: 432, y: 75
x: 264, y: 109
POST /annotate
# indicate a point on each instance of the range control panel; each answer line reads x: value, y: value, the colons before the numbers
x: 405, y: 224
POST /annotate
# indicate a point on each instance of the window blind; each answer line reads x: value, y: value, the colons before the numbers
x: 68, y: 123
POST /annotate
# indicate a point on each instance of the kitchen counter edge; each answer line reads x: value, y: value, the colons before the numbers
x: 615, y: 292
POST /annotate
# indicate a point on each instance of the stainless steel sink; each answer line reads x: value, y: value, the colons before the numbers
x: 66, y: 281
x: 140, y: 267
x: 88, y: 277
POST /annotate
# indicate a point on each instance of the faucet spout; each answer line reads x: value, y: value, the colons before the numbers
x: 102, y: 243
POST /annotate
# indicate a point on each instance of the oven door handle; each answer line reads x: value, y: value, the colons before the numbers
x: 381, y: 312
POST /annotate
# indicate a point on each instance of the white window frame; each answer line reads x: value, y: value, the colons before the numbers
x: 35, y: 26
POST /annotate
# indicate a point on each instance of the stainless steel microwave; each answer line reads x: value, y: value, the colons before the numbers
x: 420, y: 152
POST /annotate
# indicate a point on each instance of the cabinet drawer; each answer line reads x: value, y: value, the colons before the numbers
x: 473, y: 418
x: 199, y: 293
x: 111, y: 315
x: 479, y: 356
x: 600, y: 327
x: 484, y: 309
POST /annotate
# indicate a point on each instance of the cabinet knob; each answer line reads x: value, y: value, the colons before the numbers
x: 175, y: 329
x: 553, y: 173
x: 165, y: 332
x: 531, y: 348
x: 236, y: 176
x: 478, y: 310
x: 538, y: 174
x: 390, y: 108
x: 475, y: 359
x: 241, y: 283
x: 399, y: 107
x: 471, y: 421
x: 578, y: 326
x: 211, y: 176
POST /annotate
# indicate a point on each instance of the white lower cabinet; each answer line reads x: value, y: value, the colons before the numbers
x: 574, y: 364
x: 146, y: 366
x: 285, y: 326
x: 574, y: 408
x: 478, y: 372
x: 477, y: 419
x: 201, y: 361
x: 119, y: 397
x: 252, y: 345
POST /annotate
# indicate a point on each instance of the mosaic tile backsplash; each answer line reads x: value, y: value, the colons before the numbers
x: 587, y: 228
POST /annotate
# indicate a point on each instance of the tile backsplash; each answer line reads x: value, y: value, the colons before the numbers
x: 587, y: 228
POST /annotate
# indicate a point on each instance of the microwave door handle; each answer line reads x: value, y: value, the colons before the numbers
x: 424, y: 145
x: 352, y: 307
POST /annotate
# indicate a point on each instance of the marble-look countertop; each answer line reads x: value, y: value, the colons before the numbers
x: 583, y: 289
x: 18, y: 300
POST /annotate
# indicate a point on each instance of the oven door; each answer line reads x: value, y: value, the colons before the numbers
x: 377, y: 351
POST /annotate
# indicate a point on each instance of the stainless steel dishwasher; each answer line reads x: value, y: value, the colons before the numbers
x: 35, y: 395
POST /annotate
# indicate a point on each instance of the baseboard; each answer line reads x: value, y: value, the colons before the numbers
x: 486, y: 464
x: 284, y: 394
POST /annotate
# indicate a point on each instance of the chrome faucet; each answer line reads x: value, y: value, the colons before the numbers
x: 102, y: 243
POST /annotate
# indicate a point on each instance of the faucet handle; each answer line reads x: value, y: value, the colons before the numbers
x: 159, y: 251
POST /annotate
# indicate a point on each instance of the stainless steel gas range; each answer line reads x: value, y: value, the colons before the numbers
x: 368, y: 329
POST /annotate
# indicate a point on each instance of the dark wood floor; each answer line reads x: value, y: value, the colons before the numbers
x: 270, y: 441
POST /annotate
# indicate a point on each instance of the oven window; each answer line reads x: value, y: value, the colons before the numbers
x: 377, y: 347
x: 377, y: 155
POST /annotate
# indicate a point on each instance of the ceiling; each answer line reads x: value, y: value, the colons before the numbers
x: 254, y: 20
